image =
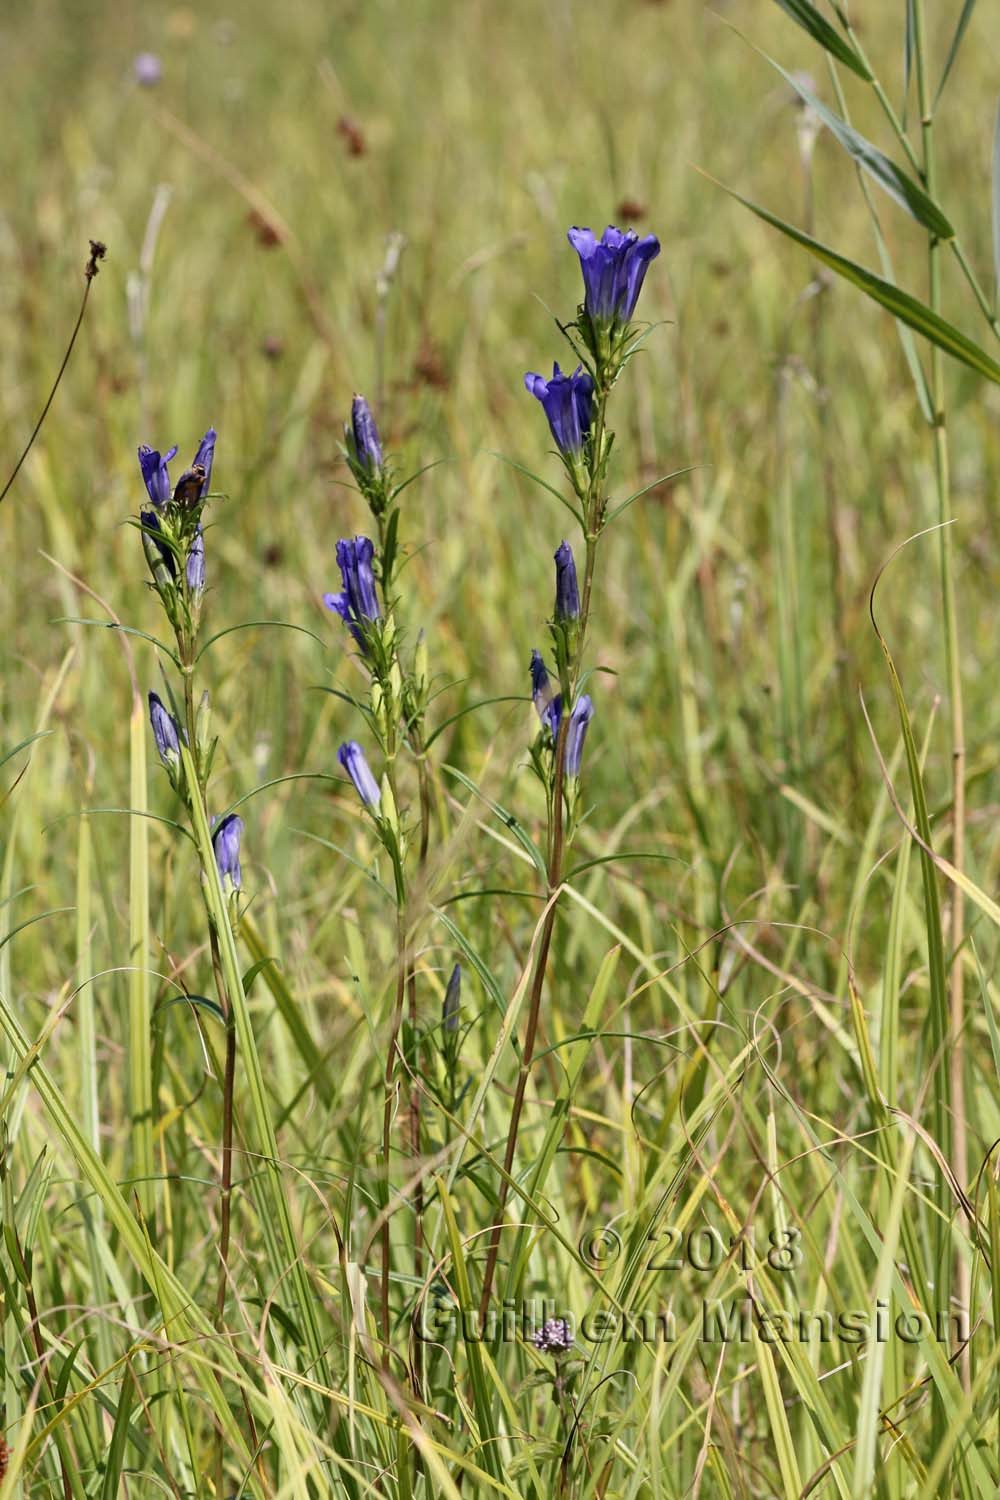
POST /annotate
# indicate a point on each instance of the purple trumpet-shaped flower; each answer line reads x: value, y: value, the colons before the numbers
x: 614, y: 268
x: 165, y: 732
x: 359, y: 600
x: 226, y: 843
x: 195, y: 567
x: 452, y: 1000
x: 567, y: 590
x: 568, y: 402
x: 154, y: 472
x: 548, y: 702
x: 576, y: 733
x: 352, y: 758
x: 355, y: 562
x: 362, y: 437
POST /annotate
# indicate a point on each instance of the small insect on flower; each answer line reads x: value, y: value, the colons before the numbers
x: 352, y: 758
x: 548, y: 703
x: 192, y: 486
x: 452, y: 1000
x: 614, y: 268
x: 554, y: 1337
x: 165, y: 732
x: 576, y: 733
x: 226, y: 843
x: 568, y: 402
x: 567, y: 590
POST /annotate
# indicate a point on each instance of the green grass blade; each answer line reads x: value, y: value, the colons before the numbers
x: 915, y: 314
x: 809, y: 18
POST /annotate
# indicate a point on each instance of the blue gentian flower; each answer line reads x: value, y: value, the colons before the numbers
x: 548, y: 703
x: 226, y: 843
x: 359, y: 600
x: 567, y: 591
x: 576, y: 733
x: 193, y: 483
x: 614, y: 268
x: 362, y: 437
x: 352, y: 758
x: 453, y: 999
x: 568, y: 402
x: 355, y: 562
x: 195, y: 567
x: 165, y: 732
x: 154, y: 472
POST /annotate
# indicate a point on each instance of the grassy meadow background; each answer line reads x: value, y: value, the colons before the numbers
x: 728, y: 1084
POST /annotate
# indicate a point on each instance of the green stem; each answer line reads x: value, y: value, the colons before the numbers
x: 949, y: 1090
x: 275, y: 1218
x: 593, y: 510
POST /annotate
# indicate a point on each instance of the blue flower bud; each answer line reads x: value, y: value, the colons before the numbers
x: 154, y: 472
x: 576, y: 733
x: 614, y: 268
x: 362, y: 437
x: 567, y: 592
x: 548, y: 703
x: 165, y: 732
x: 154, y: 548
x: 452, y: 1000
x: 195, y: 567
x: 226, y: 843
x: 568, y: 402
x: 352, y: 758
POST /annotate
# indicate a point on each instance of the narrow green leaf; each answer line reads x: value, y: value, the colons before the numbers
x: 119, y: 1438
x: 471, y: 708
x: 23, y: 744
x: 663, y: 479
x: 254, y: 625
x: 900, y: 187
x: 201, y: 1001
x: 956, y: 42
x: 30, y: 922
x: 507, y: 818
x: 940, y: 332
x: 542, y: 484
x: 821, y: 31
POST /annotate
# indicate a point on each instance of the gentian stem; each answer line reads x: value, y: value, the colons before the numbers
x: 556, y: 843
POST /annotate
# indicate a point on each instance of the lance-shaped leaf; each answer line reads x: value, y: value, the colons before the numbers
x: 902, y: 306
x: 907, y: 192
x: 821, y: 31
x: 956, y: 42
